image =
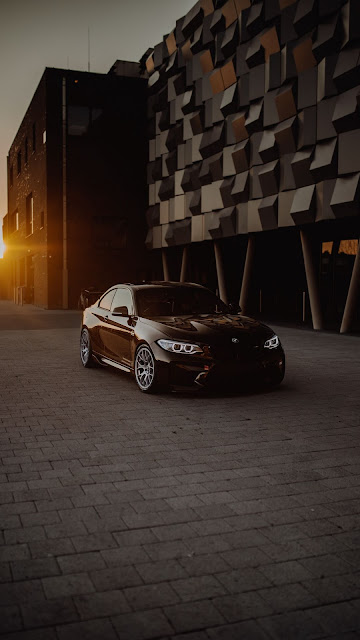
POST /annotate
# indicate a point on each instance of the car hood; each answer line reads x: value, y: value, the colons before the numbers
x: 205, y: 327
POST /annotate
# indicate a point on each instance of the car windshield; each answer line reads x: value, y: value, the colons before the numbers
x: 175, y: 301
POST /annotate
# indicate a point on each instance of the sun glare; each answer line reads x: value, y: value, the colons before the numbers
x: 2, y: 248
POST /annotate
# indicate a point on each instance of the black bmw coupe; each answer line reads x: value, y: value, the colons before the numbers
x: 178, y: 335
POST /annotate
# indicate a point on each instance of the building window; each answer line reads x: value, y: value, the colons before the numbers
x: 14, y: 222
x: 123, y: 298
x: 106, y: 300
x: 80, y: 119
x: 11, y: 176
x: 29, y: 214
x: 34, y: 137
x: 42, y: 220
x: 349, y: 247
x: 26, y: 150
x: 19, y: 163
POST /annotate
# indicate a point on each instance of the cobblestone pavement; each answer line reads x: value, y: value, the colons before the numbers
x: 131, y: 517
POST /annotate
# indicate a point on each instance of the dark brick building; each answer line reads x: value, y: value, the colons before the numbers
x: 254, y: 164
x: 76, y: 186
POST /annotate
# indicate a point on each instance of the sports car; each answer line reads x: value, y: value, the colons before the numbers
x: 178, y: 335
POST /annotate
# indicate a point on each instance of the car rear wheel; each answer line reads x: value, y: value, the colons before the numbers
x: 85, y: 349
x: 145, y: 369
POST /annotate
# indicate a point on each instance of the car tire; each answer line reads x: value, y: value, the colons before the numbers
x: 145, y: 369
x: 86, y: 354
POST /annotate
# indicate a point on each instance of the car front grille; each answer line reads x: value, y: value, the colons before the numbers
x: 244, y: 350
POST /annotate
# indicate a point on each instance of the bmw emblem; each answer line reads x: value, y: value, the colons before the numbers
x: 235, y: 340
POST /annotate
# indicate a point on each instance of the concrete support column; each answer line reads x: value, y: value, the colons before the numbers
x: 184, y: 264
x: 312, y: 281
x: 165, y: 265
x: 246, y: 279
x: 352, y: 296
x: 220, y: 272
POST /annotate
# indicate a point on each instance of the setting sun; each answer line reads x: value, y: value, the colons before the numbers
x: 2, y: 248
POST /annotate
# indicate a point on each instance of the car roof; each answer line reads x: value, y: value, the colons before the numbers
x: 157, y: 284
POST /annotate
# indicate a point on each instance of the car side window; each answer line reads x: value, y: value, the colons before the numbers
x: 106, y: 300
x: 123, y: 298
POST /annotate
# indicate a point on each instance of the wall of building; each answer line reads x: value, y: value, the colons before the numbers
x: 27, y: 196
x: 106, y: 190
x: 87, y: 179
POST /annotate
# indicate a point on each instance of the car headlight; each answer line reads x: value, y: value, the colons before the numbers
x: 272, y: 343
x: 179, y: 347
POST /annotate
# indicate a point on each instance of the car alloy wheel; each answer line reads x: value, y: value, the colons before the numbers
x: 85, y: 348
x: 145, y: 372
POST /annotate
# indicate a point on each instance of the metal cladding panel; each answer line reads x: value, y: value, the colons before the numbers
x: 220, y: 225
x: 269, y: 178
x: 303, y: 206
x: 325, y: 126
x: 324, y: 192
x: 254, y: 109
x: 300, y: 165
x: 346, y: 113
x: 268, y: 212
x: 286, y: 136
x: 240, y: 190
x: 226, y: 189
x: 325, y: 160
x: 254, y: 221
x: 240, y: 156
x: 326, y: 84
x: 287, y: 180
x: 211, y: 197
x: 273, y: 72
x: 268, y: 148
x: 307, y: 88
x: 179, y: 202
x: 307, y: 127
x: 164, y: 212
x: 197, y: 228
x: 349, y: 152
x: 345, y: 200
x: 284, y: 208
x: 347, y: 68
x: 228, y: 161
x: 195, y: 202
x: 271, y: 115
x: 242, y: 218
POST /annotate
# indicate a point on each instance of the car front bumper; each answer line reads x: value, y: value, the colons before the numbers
x: 197, y: 371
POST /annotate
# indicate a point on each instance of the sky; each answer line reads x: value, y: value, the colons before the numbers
x: 35, y: 34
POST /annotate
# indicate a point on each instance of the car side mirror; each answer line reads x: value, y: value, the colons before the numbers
x: 121, y: 311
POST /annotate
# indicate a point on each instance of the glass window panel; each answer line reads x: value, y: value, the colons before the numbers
x: 106, y: 300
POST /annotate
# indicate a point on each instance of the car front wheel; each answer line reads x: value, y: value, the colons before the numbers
x: 85, y: 349
x: 145, y: 369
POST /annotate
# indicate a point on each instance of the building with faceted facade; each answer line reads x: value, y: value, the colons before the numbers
x: 254, y: 164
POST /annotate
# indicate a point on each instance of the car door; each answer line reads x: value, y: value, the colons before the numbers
x: 101, y: 312
x: 118, y: 330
